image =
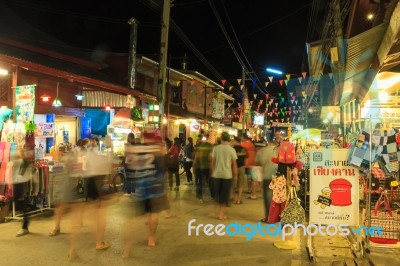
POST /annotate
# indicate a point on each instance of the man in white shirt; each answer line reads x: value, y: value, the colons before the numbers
x: 223, y: 171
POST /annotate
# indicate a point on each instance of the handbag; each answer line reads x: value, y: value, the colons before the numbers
x: 294, y: 212
x: 173, y: 163
x: 387, y: 220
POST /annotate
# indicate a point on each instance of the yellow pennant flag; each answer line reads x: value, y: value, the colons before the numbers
x: 287, y: 76
x: 230, y: 88
x: 178, y: 83
x: 239, y: 80
x: 207, y: 82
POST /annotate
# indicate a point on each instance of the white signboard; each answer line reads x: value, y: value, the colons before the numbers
x: 334, y: 193
x: 380, y: 113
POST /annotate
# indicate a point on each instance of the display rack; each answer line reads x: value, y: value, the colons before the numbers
x: 39, y: 210
x: 366, y: 244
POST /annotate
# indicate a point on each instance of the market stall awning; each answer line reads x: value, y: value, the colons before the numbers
x: 308, y: 134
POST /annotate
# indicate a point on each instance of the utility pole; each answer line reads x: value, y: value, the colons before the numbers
x: 162, y: 75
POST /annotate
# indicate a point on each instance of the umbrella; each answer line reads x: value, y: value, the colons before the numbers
x: 308, y: 134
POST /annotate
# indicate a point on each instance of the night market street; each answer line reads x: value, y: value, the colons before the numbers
x: 174, y: 246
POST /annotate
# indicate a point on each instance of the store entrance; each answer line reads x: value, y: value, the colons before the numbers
x: 182, y: 134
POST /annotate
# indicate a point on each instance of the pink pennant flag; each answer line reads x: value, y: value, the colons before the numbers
x: 239, y: 80
x: 293, y: 97
x: 231, y: 95
x: 266, y: 84
x: 223, y: 82
x: 304, y: 74
x: 281, y: 82
x: 270, y: 78
x: 266, y: 96
x: 251, y: 103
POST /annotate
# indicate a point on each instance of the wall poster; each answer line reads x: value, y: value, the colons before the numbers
x: 24, y: 103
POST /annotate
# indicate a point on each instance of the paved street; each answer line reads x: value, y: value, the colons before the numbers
x: 174, y: 246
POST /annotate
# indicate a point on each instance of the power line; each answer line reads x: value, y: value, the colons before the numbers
x: 260, y: 29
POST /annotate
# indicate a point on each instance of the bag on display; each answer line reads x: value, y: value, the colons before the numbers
x: 294, y: 212
x: 286, y: 153
x: 387, y: 220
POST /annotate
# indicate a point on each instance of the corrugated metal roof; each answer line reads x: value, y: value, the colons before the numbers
x: 362, y: 48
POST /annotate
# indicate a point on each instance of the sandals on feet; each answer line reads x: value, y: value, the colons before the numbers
x: 54, y: 232
x: 252, y: 198
x: 102, y: 246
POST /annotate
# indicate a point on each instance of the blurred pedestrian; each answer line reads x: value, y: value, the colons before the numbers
x: 147, y: 162
x: 241, y: 180
x: 173, y: 164
x: 249, y: 162
x: 188, y: 151
x: 201, y: 167
x: 129, y: 186
x: 224, y: 171
x: 264, y: 159
x: 95, y: 164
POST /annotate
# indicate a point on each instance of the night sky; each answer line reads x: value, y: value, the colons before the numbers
x: 270, y: 33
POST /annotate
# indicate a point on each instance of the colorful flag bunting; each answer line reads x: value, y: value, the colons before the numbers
x: 300, y: 79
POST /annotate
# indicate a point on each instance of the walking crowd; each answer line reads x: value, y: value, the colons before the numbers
x: 152, y: 171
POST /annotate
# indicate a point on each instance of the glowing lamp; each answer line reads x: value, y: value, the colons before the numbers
x: 57, y: 102
x: 79, y: 97
x: 45, y: 98
x: 107, y: 107
x: 3, y: 72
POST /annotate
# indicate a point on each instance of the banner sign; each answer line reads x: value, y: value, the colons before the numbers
x: 334, y: 192
x: 24, y: 103
x: 380, y: 113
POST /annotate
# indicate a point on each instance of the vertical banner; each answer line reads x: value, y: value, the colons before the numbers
x: 334, y: 191
x: 24, y: 103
